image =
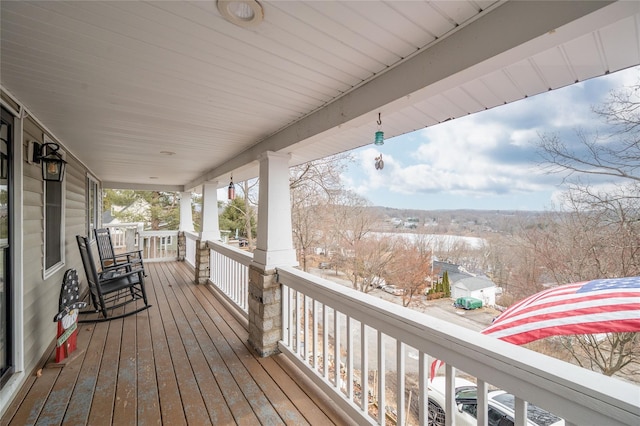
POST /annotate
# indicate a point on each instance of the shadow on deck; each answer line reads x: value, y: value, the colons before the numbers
x: 183, y: 361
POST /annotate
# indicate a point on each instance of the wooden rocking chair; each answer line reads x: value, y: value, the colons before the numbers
x: 109, y: 258
x: 114, y: 287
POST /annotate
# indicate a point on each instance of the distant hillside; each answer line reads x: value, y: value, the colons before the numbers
x: 459, y: 222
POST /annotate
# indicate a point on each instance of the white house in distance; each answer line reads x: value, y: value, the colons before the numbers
x: 464, y: 284
x: 479, y: 287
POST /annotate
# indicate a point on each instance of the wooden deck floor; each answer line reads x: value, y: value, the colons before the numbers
x: 183, y: 361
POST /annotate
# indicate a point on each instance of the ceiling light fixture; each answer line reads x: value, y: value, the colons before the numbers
x: 244, y: 13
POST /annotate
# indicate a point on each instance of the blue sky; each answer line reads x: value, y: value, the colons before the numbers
x: 483, y: 161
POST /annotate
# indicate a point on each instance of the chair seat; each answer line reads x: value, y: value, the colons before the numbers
x: 119, y: 283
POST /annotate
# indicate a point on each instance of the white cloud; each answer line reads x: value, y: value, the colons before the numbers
x: 486, y: 154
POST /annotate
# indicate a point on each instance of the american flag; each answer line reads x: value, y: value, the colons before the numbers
x: 599, y: 306
x: 591, y: 307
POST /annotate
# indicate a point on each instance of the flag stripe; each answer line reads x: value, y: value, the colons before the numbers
x: 559, y: 312
x: 576, y: 298
x: 578, y: 324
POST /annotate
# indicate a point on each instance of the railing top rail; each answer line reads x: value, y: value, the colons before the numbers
x: 579, y: 395
x: 123, y: 225
x: 234, y: 253
x: 191, y: 235
x: 157, y: 233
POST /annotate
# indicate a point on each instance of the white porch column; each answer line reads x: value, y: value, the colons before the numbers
x: 209, y: 230
x: 186, y: 217
x: 274, y: 245
x: 209, y: 222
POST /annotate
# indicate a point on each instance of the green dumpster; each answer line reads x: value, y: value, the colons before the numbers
x: 468, y: 302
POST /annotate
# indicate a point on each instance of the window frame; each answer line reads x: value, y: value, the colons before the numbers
x: 93, y: 185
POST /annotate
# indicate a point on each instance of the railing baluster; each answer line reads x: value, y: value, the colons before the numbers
x: 305, y: 342
x: 423, y: 378
x: 314, y: 362
x: 336, y: 348
x: 325, y: 342
x: 381, y: 379
x: 482, y: 410
x: 450, y: 393
x: 286, y: 316
x: 349, y: 364
x: 520, y: 415
x: 364, y: 367
x: 296, y: 310
x: 400, y: 398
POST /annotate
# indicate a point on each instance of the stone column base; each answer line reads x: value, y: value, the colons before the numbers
x: 202, y: 262
x: 182, y: 245
x: 265, y: 311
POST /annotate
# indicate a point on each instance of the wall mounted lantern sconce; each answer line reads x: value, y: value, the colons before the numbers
x: 231, y: 193
x: 52, y: 163
x: 379, y: 140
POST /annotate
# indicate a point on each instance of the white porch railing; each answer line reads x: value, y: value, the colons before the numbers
x: 323, y: 322
x: 190, y: 248
x: 156, y: 246
x: 229, y: 273
x: 124, y: 236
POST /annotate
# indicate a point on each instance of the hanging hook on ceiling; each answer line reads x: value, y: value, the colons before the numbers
x: 379, y: 119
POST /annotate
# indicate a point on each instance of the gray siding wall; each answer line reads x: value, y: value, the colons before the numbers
x: 41, y: 296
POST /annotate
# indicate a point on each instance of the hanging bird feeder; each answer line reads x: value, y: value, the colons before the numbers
x: 379, y: 139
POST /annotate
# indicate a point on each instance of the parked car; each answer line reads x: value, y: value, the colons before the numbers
x: 325, y: 265
x: 376, y: 282
x: 392, y: 289
x: 500, y: 406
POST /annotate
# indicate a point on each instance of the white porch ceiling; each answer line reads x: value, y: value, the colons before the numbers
x: 119, y: 84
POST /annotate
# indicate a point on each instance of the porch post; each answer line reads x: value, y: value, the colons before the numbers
x: 186, y: 217
x: 209, y: 230
x: 186, y: 223
x: 274, y: 247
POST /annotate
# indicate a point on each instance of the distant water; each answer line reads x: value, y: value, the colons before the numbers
x: 440, y: 242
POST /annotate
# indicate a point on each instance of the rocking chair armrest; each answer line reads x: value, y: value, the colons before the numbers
x: 130, y: 256
x: 121, y: 268
x: 111, y: 274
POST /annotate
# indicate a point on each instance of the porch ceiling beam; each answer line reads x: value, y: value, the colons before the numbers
x: 143, y: 186
x: 497, y: 39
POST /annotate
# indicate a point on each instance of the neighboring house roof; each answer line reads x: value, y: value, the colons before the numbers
x: 460, y: 278
x: 474, y: 283
x: 446, y: 266
x: 107, y: 217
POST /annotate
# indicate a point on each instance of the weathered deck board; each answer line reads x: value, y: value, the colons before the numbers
x: 183, y: 361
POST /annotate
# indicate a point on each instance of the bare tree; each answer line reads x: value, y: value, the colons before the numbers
x: 410, y: 269
x: 598, y: 233
x: 354, y: 222
x: 312, y: 185
x: 607, y: 353
x: 370, y: 261
x: 245, y: 205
